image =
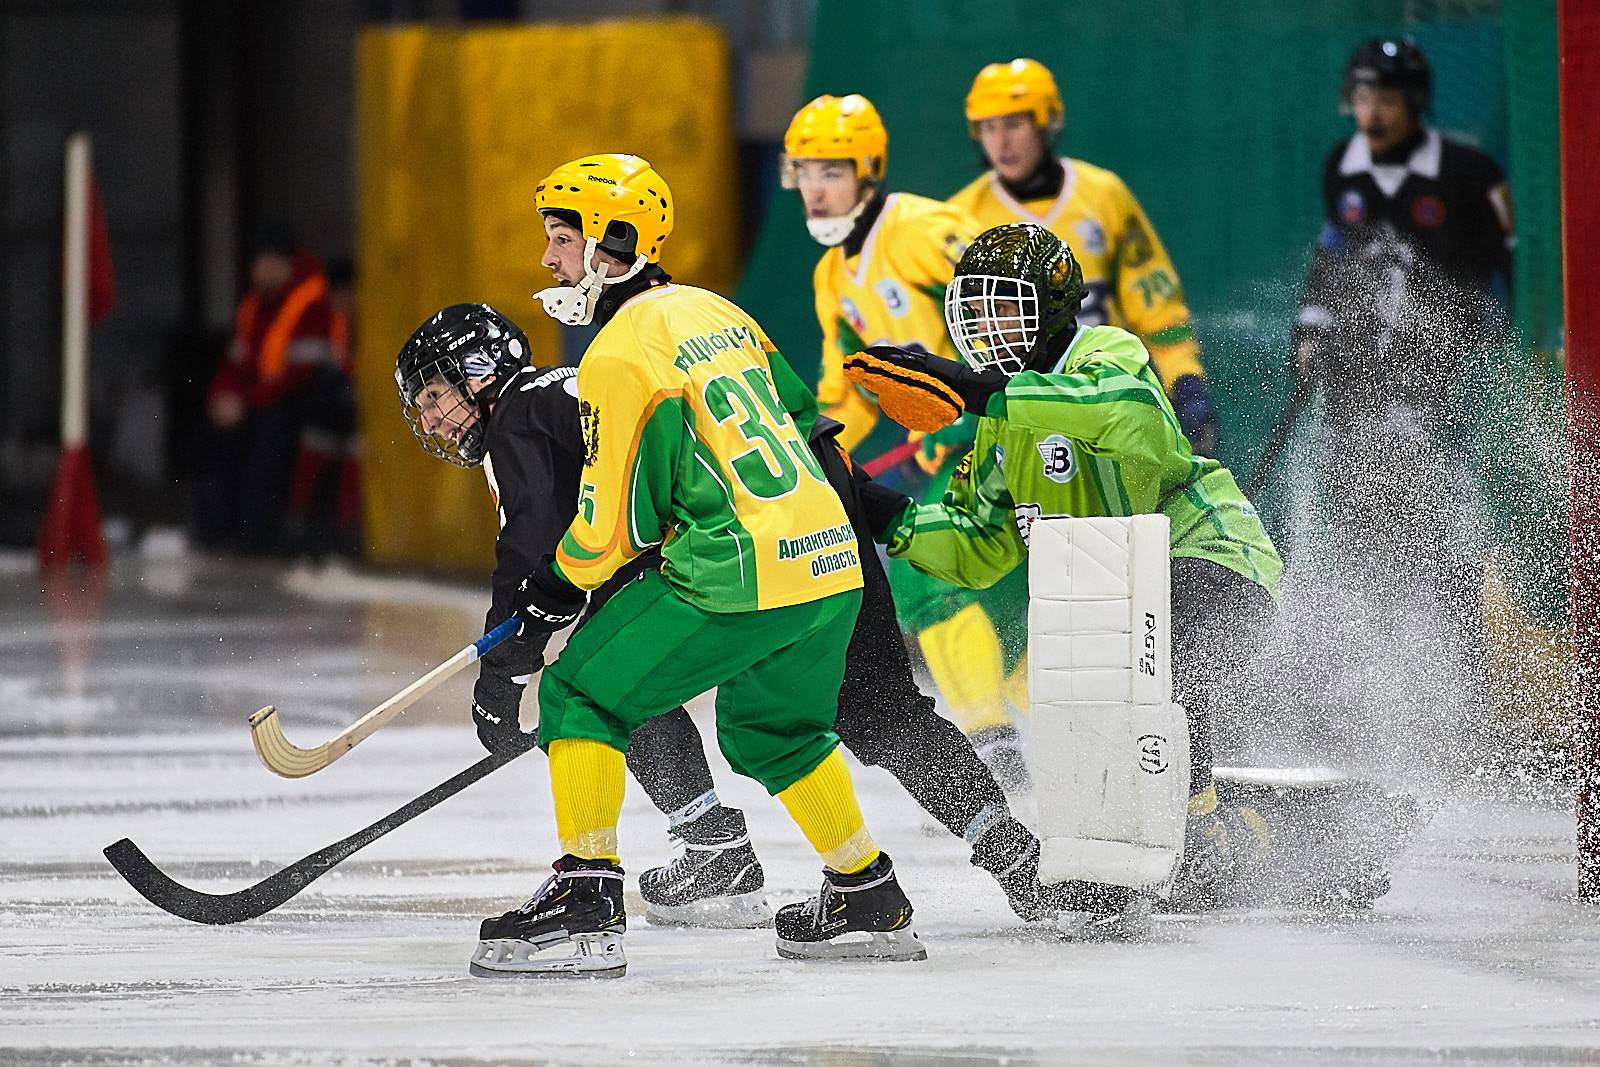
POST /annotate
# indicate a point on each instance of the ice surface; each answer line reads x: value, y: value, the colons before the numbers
x: 128, y: 719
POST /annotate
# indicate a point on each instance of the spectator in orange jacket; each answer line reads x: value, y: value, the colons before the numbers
x: 325, y: 490
x: 282, y: 337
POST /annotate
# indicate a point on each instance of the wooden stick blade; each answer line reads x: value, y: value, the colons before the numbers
x: 291, y: 761
x: 280, y: 755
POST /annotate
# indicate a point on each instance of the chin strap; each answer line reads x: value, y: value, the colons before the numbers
x: 573, y: 305
x: 1049, y: 349
x: 834, y: 231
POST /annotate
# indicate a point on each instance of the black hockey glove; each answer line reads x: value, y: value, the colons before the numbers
x: 1197, y: 415
x: 500, y: 735
x: 921, y: 391
x: 496, y: 702
x: 881, y: 506
x: 546, y: 602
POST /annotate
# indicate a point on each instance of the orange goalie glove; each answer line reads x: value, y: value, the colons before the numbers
x: 921, y: 391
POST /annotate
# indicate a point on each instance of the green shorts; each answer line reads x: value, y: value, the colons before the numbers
x: 777, y: 674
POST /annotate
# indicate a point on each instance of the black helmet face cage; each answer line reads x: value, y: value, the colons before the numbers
x: 993, y: 320
x: 445, y: 419
x: 461, y: 344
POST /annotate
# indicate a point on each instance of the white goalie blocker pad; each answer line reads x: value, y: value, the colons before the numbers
x: 1108, y: 747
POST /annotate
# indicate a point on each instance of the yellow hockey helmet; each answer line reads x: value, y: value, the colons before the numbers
x: 619, y: 200
x: 1008, y: 88
x: 838, y: 127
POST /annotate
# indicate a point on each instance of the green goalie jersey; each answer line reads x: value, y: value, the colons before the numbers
x: 1095, y: 436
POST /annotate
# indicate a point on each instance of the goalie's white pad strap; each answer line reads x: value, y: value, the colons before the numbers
x: 1109, y: 750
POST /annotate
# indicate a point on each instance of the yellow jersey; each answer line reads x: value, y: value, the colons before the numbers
x: 695, y: 438
x: 891, y: 293
x: 1128, y: 278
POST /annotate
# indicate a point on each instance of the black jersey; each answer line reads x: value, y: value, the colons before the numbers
x: 533, y: 456
x: 1402, y: 282
x: 1449, y: 200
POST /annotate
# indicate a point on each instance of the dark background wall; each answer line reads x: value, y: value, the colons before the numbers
x: 211, y: 119
x: 206, y: 119
x: 115, y: 70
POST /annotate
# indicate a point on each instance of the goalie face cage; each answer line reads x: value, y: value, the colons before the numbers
x: 994, y: 321
x: 444, y: 419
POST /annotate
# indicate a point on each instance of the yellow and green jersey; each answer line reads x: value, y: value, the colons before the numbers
x: 891, y: 293
x: 1128, y: 278
x: 694, y: 435
x: 1094, y: 436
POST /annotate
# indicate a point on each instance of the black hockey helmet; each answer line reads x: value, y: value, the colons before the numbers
x: 460, y: 344
x: 1390, y: 63
x: 1016, y: 289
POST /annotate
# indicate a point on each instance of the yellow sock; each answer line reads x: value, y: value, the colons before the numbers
x: 964, y: 657
x: 1016, y: 687
x: 587, y: 777
x: 823, y: 803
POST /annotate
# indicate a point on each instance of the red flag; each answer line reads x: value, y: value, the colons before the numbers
x: 72, y: 521
x: 102, y: 281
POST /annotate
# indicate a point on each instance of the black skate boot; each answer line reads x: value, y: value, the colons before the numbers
x: 1009, y: 851
x: 1225, y: 853
x: 855, y: 916
x: 571, y: 928
x: 716, y: 882
x: 1093, y: 911
x: 1084, y: 911
x: 1328, y: 838
x: 1000, y: 748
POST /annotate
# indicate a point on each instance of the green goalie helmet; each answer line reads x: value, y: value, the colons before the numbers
x: 1016, y: 288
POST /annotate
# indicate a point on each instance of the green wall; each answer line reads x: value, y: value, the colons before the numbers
x: 1218, y: 115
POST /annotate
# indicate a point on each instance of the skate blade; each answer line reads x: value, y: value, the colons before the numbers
x: 1133, y: 924
x: 739, y: 911
x: 592, y: 956
x: 894, y: 945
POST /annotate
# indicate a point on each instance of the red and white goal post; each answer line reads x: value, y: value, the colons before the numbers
x: 71, y: 527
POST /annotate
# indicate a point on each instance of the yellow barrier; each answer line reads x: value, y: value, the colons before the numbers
x: 454, y: 130
x: 1528, y: 666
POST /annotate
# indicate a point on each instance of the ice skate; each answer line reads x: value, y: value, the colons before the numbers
x: 1090, y: 911
x: 1330, y: 838
x: 571, y: 928
x: 854, y: 916
x: 1009, y: 851
x: 1224, y: 850
x: 717, y: 881
x: 1081, y: 910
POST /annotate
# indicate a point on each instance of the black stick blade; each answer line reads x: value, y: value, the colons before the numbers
x: 220, y: 909
x: 215, y: 909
